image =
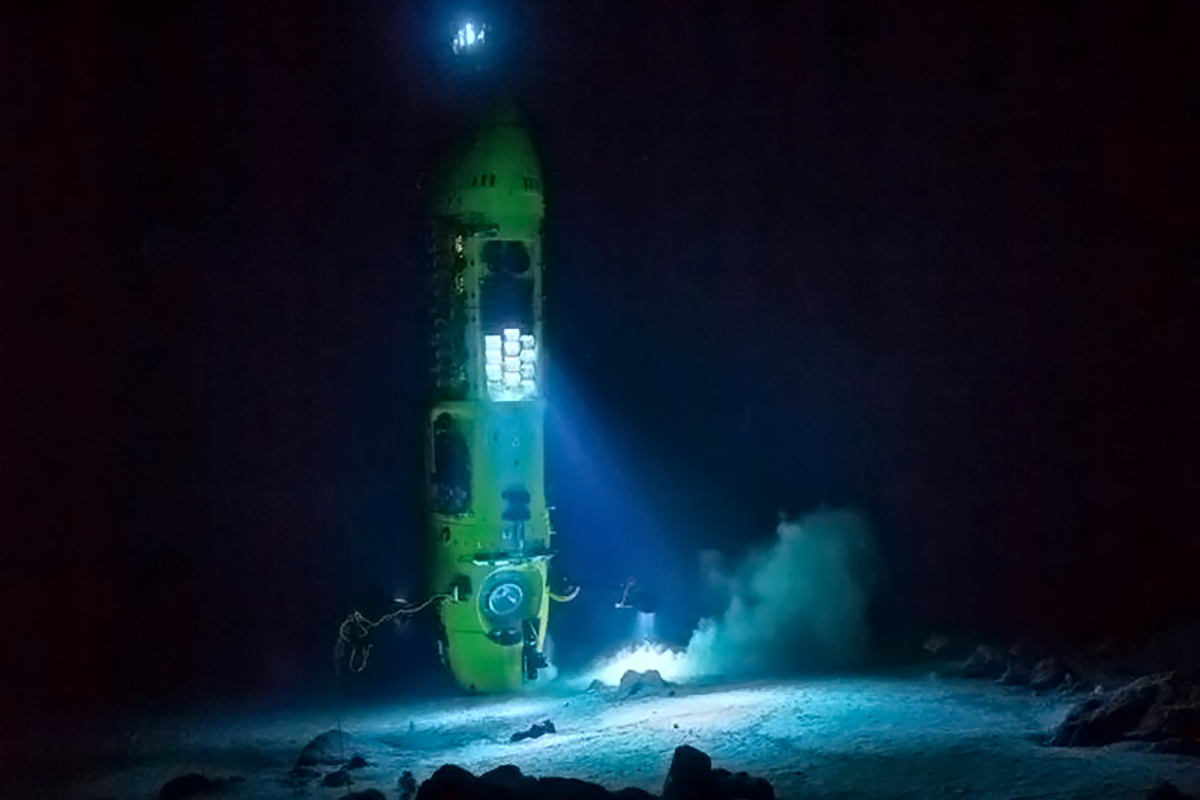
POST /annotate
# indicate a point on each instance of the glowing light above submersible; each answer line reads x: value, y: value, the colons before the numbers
x: 468, y: 37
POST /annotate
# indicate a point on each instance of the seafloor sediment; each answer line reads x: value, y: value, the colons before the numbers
x: 914, y: 735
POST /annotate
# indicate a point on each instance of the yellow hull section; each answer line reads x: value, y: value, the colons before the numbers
x: 488, y: 521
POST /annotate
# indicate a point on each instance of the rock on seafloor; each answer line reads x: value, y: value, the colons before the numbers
x: 691, y: 777
x: 535, y: 730
x: 637, y: 684
x: 328, y: 749
x: 195, y: 784
x: 1163, y: 708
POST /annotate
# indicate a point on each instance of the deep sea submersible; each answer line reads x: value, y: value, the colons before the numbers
x: 488, y: 521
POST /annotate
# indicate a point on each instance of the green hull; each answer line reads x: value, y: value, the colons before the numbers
x: 488, y: 520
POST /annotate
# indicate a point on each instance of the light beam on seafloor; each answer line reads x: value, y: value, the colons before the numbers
x: 644, y: 626
x: 497, y: 707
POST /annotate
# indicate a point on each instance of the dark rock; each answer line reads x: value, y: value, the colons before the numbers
x: 1094, y: 722
x: 337, y: 778
x: 741, y: 786
x: 567, y: 789
x: 358, y: 762
x: 1154, y: 708
x: 690, y: 775
x: 1180, y: 720
x: 986, y: 662
x: 191, y: 785
x: 508, y: 775
x: 1166, y: 791
x: 328, y: 750
x: 407, y: 785
x: 507, y: 783
x: 596, y: 685
x: 1046, y: 674
x: 505, y: 774
x: 298, y: 777
x: 452, y: 782
x: 1016, y: 674
x: 1177, y: 747
x: 641, y: 683
x: 535, y: 730
x: 633, y: 793
x: 196, y: 785
x: 365, y: 794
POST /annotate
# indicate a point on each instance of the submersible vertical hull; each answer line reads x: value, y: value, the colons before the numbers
x: 488, y: 520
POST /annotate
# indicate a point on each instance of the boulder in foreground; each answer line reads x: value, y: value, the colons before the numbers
x: 195, y: 784
x: 691, y: 777
x: 1163, y: 708
x: 366, y: 794
x: 1166, y: 791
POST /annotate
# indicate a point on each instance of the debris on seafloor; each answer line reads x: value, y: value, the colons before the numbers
x: 535, y: 730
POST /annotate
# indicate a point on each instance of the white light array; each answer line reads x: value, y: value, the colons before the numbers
x: 510, y: 365
x: 468, y: 37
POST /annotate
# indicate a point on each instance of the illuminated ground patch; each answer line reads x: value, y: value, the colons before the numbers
x: 847, y: 737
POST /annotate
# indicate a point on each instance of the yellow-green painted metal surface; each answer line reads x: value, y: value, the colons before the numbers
x: 488, y: 520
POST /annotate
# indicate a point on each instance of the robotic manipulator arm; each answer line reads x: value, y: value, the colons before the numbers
x: 637, y: 597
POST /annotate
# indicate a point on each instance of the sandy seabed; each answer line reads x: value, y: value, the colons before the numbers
x: 875, y: 736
